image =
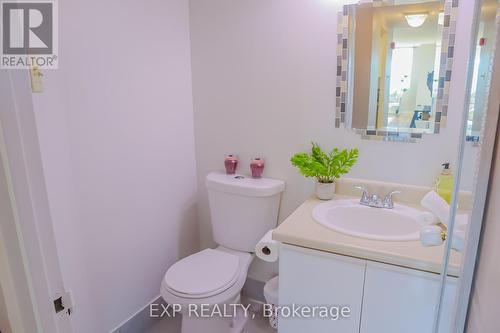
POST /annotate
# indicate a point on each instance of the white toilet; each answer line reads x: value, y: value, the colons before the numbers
x: 242, y: 209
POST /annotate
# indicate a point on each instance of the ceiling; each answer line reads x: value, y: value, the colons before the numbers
x: 393, y: 19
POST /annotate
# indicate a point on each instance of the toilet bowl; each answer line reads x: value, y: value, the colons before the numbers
x: 209, y: 278
x: 242, y: 210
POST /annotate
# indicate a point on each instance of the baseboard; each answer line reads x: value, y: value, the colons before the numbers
x: 140, y: 321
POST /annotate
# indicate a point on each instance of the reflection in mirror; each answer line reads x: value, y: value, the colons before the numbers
x: 482, y: 68
x: 399, y: 46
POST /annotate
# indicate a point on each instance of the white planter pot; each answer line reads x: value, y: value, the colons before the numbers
x: 325, y: 191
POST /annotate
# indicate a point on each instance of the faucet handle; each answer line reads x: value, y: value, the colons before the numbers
x: 388, y: 202
x: 364, y: 197
x: 362, y: 188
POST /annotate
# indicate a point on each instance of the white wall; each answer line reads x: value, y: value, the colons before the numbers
x: 263, y: 84
x: 116, y: 133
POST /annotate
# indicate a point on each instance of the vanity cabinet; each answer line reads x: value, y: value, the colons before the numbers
x: 382, y: 297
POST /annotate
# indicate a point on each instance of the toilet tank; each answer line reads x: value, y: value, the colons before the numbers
x: 242, y: 209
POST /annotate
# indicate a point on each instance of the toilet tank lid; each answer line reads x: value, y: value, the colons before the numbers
x: 243, y: 185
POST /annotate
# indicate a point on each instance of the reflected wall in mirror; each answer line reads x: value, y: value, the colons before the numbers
x: 483, y: 61
x: 395, y: 66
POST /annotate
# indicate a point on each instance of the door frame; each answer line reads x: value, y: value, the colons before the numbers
x: 481, y: 181
x: 491, y: 127
x: 31, y: 221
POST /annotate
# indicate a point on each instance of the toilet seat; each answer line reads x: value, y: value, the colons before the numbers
x: 203, y: 274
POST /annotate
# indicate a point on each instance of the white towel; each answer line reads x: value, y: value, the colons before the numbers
x: 427, y: 218
x: 458, y: 240
x: 459, y: 232
x: 461, y: 221
x: 437, y: 205
x: 430, y: 235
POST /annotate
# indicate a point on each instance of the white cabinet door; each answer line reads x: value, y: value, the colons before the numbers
x: 316, y: 278
x: 400, y: 300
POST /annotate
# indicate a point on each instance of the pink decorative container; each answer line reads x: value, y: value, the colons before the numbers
x: 231, y: 163
x: 257, y: 167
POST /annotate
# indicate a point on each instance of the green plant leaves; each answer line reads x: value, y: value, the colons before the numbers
x: 325, y: 167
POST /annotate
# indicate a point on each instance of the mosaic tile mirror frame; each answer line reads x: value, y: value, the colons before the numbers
x: 344, y: 74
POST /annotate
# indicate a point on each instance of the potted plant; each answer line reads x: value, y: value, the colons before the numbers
x: 325, y: 167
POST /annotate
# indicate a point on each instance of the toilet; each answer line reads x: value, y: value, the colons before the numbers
x: 242, y: 210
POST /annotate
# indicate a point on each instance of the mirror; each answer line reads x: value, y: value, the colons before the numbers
x: 394, y: 66
x: 482, y: 68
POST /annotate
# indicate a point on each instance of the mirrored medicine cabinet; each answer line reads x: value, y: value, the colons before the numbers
x: 394, y: 67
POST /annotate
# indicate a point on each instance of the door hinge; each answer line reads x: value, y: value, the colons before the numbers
x: 63, y: 303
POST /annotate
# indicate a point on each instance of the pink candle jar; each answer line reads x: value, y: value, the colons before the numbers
x: 257, y: 167
x: 231, y: 163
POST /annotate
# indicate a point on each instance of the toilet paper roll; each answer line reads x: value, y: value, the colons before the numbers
x: 267, y: 249
x: 431, y: 235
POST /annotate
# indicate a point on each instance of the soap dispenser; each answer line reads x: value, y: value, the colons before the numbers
x: 445, y: 183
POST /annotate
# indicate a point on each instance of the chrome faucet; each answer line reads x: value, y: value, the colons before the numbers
x: 374, y: 200
x: 388, y: 202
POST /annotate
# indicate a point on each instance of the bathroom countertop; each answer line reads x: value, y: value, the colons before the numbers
x: 302, y: 230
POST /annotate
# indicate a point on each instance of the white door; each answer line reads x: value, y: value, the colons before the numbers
x: 29, y: 258
x: 315, y: 278
x: 399, y: 300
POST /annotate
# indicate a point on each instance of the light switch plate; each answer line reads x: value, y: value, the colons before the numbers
x: 36, y: 76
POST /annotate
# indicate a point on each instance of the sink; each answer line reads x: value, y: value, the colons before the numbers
x: 351, y: 218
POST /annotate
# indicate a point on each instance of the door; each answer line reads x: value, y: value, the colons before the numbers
x: 399, y: 300
x: 314, y: 278
x: 30, y: 259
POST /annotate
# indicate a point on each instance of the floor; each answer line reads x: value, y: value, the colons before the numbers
x: 173, y: 325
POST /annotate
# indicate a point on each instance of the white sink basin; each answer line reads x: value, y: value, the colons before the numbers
x: 351, y: 218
